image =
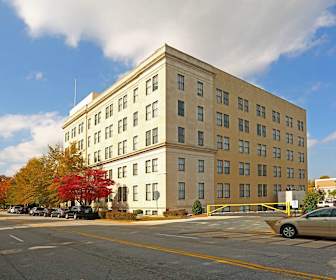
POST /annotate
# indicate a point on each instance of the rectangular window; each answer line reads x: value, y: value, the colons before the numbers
x: 200, y: 138
x: 226, y: 120
x: 200, y: 113
x: 135, y: 169
x: 155, y: 136
x: 200, y: 166
x: 148, y: 137
x: 276, y: 116
x: 135, y: 95
x: 219, y: 119
x: 226, y: 167
x: 135, y: 119
x: 119, y: 126
x: 148, y: 166
x: 135, y: 193
x: 148, y: 86
x: 244, y: 190
x: 181, y: 164
x: 261, y: 130
x: 124, y: 101
x: 276, y: 134
x: 261, y: 150
x: 261, y: 111
x: 135, y: 143
x: 180, y: 82
x: 219, y: 167
x: 200, y: 190
x: 124, y: 124
x: 223, y: 190
x: 155, y: 109
x: 262, y: 170
x: 262, y: 190
x: 180, y: 108
x: 119, y: 104
x: 226, y: 143
x: 181, y: 190
x: 154, y: 193
x: 199, y: 88
x: 155, y: 83
x: 180, y: 135
x: 148, y: 192
x: 155, y: 165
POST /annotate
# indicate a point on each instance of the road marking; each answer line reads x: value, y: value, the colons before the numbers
x: 15, y: 237
x: 179, y: 236
x: 41, y: 247
x: 221, y: 260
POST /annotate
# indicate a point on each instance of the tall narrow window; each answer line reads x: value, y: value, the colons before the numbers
x: 180, y: 82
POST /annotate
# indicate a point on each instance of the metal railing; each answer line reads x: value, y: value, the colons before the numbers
x: 270, y: 205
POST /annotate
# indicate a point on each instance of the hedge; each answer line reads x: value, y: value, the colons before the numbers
x: 175, y: 213
x: 120, y: 216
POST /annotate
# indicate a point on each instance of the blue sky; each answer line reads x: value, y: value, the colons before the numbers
x: 42, y: 54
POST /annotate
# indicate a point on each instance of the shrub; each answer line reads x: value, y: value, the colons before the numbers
x: 138, y: 212
x: 102, y: 214
x: 310, y: 201
x: 126, y: 216
x: 175, y: 213
x: 197, y: 208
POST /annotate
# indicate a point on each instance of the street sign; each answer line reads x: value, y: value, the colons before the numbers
x: 295, y: 204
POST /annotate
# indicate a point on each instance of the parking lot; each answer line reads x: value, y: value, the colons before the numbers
x: 203, y: 248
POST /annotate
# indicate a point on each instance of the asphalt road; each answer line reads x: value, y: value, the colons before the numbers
x: 231, y: 248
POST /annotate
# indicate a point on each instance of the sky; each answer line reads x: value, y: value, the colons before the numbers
x: 286, y: 47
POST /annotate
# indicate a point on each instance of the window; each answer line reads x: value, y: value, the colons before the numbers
x: 223, y: 190
x: 155, y: 110
x: 135, y: 95
x: 277, y: 171
x: 276, y: 189
x: 119, y: 104
x: 181, y: 190
x: 148, y: 192
x: 148, y: 112
x: 301, y: 173
x: 262, y: 190
x: 135, y: 119
x: 155, y: 136
x: 124, y: 146
x: 119, y: 172
x: 244, y: 190
x: 155, y: 165
x: 180, y: 108
x: 119, y: 126
x: 300, y: 141
x: 135, y: 143
x: 244, y: 168
x: 276, y: 134
x: 110, y: 174
x: 276, y: 116
x: 148, y: 166
x: 290, y: 155
x: 180, y: 82
x: 154, y: 192
x: 110, y: 131
x: 289, y: 121
x: 135, y: 193
x: 148, y: 86
x: 124, y: 101
x: 261, y: 111
x: 222, y: 97
x: 199, y: 88
x: 226, y: 167
x: 180, y: 134
x: 226, y: 143
x: 200, y: 113
x: 226, y: 120
x: 219, y: 119
x: 89, y: 141
x: 300, y: 125
x: 244, y: 125
x: 119, y: 148
x: 200, y: 138
x: 89, y: 123
x: 276, y: 152
x: 181, y: 164
x: 200, y: 190
x: 148, y: 137
x: 290, y: 172
x: 135, y: 169
x: 200, y: 166
x: 219, y: 167
x: 243, y: 104
x: 155, y: 83
x: 262, y: 170
x: 261, y: 130
x: 244, y: 146
x: 301, y: 157
x: 109, y: 111
x: 261, y: 150
x: 289, y: 138
x: 124, y: 124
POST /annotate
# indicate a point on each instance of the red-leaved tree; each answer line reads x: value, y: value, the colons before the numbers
x: 85, y: 187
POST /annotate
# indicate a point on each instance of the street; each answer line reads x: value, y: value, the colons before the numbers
x: 207, y: 248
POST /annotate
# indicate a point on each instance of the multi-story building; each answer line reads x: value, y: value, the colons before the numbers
x: 176, y: 129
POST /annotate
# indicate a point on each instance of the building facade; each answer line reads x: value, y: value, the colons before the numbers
x: 176, y: 129
x: 327, y: 186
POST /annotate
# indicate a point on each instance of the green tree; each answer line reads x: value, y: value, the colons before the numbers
x: 333, y: 193
x: 310, y: 201
x: 324, y: 177
x: 197, y: 208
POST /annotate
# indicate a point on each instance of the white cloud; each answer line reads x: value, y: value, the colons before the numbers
x: 330, y: 138
x: 44, y: 129
x: 38, y: 76
x: 242, y: 37
x: 312, y: 142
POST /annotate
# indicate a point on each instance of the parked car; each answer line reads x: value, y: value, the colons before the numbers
x: 47, y: 211
x: 36, y: 211
x: 319, y: 223
x: 58, y: 212
x: 81, y: 212
x: 16, y: 209
x: 9, y: 209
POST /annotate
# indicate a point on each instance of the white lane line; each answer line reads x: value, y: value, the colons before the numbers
x: 41, y: 247
x: 15, y: 237
x: 179, y: 236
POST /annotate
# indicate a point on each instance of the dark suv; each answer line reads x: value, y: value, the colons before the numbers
x: 36, y: 211
x: 81, y: 212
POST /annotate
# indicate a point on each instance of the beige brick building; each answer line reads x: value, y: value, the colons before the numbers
x: 181, y: 128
